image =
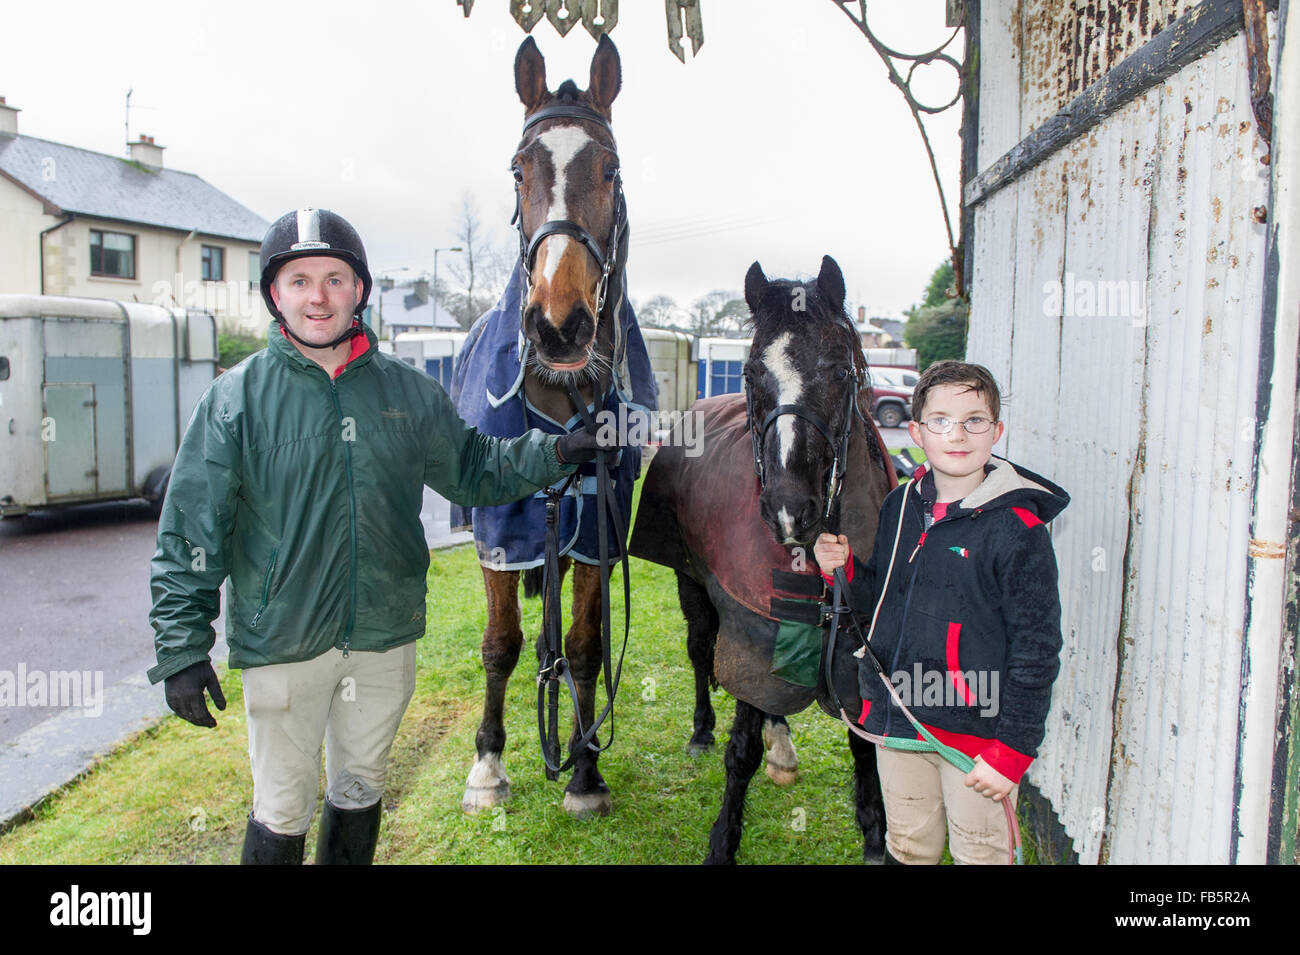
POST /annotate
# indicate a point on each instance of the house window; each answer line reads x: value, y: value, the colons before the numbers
x: 254, y: 269
x: 214, y: 263
x: 112, y: 254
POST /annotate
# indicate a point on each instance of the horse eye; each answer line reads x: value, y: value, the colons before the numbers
x: 842, y: 374
x: 517, y: 173
x: 611, y: 172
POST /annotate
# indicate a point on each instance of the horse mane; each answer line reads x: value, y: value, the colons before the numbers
x: 776, y: 313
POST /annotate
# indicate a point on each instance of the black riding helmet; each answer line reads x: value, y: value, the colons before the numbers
x: 308, y: 232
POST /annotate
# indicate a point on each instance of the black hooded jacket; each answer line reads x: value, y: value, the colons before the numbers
x: 970, y: 629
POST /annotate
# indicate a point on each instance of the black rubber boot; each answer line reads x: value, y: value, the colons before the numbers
x: 889, y: 858
x: 264, y: 847
x: 348, y: 836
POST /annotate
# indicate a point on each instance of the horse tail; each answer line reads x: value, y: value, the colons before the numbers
x: 533, y: 582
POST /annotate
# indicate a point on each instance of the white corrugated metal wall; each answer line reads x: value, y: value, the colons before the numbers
x: 1132, y: 382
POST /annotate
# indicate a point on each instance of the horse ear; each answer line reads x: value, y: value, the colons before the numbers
x: 755, y: 285
x: 831, y: 282
x: 530, y: 75
x: 606, y: 73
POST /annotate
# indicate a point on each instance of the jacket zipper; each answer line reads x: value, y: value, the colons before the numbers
x: 907, y: 603
x: 266, y: 590
x: 352, y: 525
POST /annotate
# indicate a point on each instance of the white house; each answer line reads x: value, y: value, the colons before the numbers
x: 77, y: 222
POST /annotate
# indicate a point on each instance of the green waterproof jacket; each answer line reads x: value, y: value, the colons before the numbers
x: 305, y: 492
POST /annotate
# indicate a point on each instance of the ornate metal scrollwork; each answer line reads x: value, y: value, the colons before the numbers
x: 903, y: 80
x: 601, y: 16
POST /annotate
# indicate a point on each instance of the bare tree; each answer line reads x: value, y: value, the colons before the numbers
x: 718, y: 313
x: 656, y: 312
x: 480, y: 272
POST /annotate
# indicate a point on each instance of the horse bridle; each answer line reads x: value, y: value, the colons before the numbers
x: 605, y: 257
x: 839, y: 443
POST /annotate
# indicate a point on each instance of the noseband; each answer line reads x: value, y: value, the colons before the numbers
x: 605, y: 257
x: 839, y: 444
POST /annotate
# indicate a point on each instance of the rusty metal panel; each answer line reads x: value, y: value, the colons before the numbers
x: 999, y: 80
x: 1176, y: 736
x: 1125, y: 326
x: 1069, y: 44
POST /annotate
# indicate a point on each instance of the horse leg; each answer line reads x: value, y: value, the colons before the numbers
x: 701, y: 639
x: 744, y: 753
x: 782, y: 763
x: 868, y: 804
x: 586, y: 794
x: 488, y: 785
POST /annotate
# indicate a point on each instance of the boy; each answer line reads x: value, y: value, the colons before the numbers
x: 968, y: 629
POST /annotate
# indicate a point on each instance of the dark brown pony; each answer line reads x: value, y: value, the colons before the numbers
x: 566, y: 169
x: 737, y: 540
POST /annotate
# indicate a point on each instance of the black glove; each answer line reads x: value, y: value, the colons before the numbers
x: 185, y: 693
x: 579, y: 447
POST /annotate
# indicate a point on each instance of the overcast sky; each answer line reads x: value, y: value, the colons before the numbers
x: 783, y: 141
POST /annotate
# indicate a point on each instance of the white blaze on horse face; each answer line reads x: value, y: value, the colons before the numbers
x: 563, y: 143
x: 789, y: 386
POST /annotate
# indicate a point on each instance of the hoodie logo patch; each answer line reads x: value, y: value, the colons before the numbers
x: 960, y: 551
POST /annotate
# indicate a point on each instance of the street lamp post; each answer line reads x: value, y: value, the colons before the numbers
x: 434, y: 292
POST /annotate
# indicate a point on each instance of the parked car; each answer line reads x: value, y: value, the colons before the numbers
x: 890, y: 406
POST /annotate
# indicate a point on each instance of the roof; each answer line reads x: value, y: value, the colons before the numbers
x: 110, y: 187
x: 401, y: 306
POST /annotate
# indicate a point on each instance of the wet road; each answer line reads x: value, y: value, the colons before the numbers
x: 74, y: 595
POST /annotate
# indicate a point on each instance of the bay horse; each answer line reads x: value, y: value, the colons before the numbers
x: 566, y: 322
x: 793, y: 456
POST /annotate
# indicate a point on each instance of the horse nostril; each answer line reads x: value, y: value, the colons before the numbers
x: 578, y: 328
x: 532, y: 315
x: 808, y: 514
x: 765, y: 510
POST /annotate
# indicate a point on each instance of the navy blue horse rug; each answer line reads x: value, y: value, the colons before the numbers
x: 488, y: 391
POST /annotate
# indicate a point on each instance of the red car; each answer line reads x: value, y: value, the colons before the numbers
x: 890, y: 406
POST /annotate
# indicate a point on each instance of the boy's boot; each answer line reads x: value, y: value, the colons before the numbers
x: 264, y: 847
x: 348, y: 836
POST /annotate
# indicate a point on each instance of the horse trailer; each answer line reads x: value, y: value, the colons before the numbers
x: 94, y: 397
x: 434, y: 353
x: 673, y: 366
x: 721, y: 365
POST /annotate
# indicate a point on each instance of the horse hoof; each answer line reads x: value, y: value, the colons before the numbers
x: 586, y: 805
x: 700, y: 745
x: 487, y: 785
x: 782, y: 777
x: 782, y: 763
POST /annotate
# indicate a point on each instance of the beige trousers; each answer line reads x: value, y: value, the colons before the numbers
x: 354, y: 704
x: 925, y: 798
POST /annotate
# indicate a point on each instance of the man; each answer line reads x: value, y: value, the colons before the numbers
x: 300, y: 480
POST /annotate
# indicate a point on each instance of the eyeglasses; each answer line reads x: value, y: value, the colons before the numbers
x: 976, y: 425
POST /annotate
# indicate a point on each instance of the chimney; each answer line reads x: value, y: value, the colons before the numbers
x: 422, y: 290
x: 8, y: 118
x: 862, y: 314
x: 146, y: 152
x: 385, y: 283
